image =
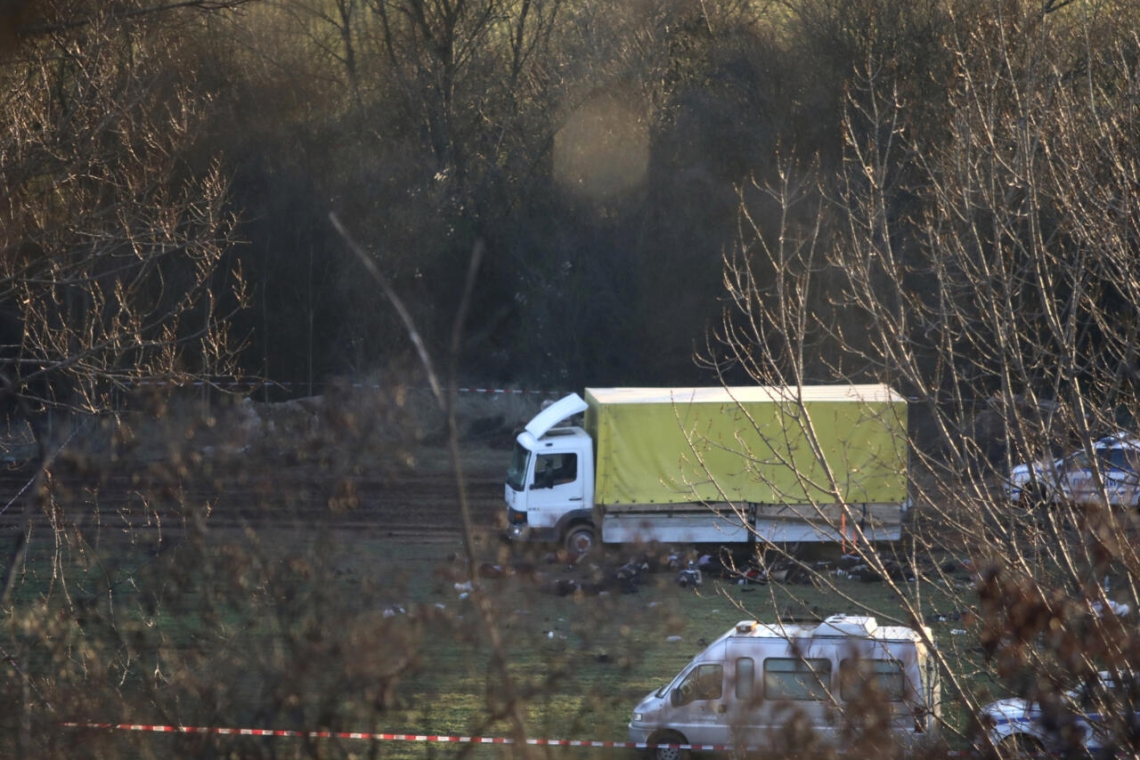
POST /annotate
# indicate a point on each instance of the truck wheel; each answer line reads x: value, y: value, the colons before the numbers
x: 579, y: 540
x: 669, y: 753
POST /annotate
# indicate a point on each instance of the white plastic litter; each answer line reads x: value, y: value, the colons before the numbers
x: 1116, y: 608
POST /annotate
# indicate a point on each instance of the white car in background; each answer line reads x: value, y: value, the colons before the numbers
x: 1071, y: 478
x: 1021, y: 728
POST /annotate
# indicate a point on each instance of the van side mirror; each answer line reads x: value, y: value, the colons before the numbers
x: 676, y: 698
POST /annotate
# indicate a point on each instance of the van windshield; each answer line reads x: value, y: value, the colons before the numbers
x: 516, y: 473
x: 665, y: 689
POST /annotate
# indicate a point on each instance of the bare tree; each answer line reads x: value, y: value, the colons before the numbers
x: 333, y: 31
x: 449, y: 62
x: 996, y: 288
x: 113, y: 240
x: 112, y: 264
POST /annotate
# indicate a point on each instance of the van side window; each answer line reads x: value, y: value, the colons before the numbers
x: 859, y: 678
x: 703, y: 682
x: 745, y: 673
x: 796, y: 678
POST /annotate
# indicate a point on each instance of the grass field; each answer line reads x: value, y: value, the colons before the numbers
x: 270, y: 604
x: 373, y: 635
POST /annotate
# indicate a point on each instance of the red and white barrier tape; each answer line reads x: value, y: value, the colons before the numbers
x: 423, y: 738
x: 270, y: 383
x: 509, y: 391
x: 386, y: 737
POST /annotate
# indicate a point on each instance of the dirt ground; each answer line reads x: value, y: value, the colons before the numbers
x: 404, y: 502
x: 299, y: 468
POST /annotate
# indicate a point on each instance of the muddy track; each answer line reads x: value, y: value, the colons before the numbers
x: 381, y: 502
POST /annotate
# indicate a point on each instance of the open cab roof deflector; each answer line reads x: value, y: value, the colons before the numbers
x: 555, y: 413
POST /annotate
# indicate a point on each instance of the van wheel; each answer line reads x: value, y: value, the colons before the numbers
x: 579, y: 540
x: 669, y: 753
x: 1020, y: 747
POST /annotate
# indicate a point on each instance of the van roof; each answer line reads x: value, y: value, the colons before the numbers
x: 835, y: 626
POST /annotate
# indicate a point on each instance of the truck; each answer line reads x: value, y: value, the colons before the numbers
x: 714, y: 465
x: 745, y: 688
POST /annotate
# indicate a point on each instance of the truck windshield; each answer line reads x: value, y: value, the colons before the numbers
x: 516, y: 473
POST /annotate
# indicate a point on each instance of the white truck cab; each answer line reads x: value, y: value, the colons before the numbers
x: 552, y: 468
x: 749, y: 684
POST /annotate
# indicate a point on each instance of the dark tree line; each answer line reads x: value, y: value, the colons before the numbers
x: 169, y: 170
x: 596, y: 148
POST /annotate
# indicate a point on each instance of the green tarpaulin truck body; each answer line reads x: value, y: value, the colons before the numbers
x: 832, y: 443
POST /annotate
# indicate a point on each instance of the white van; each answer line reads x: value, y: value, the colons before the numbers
x: 749, y: 684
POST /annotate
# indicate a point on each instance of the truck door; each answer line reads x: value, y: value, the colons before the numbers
x: 556, y: 487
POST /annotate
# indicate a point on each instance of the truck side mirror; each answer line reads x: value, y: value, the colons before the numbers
x: 544, y: 479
